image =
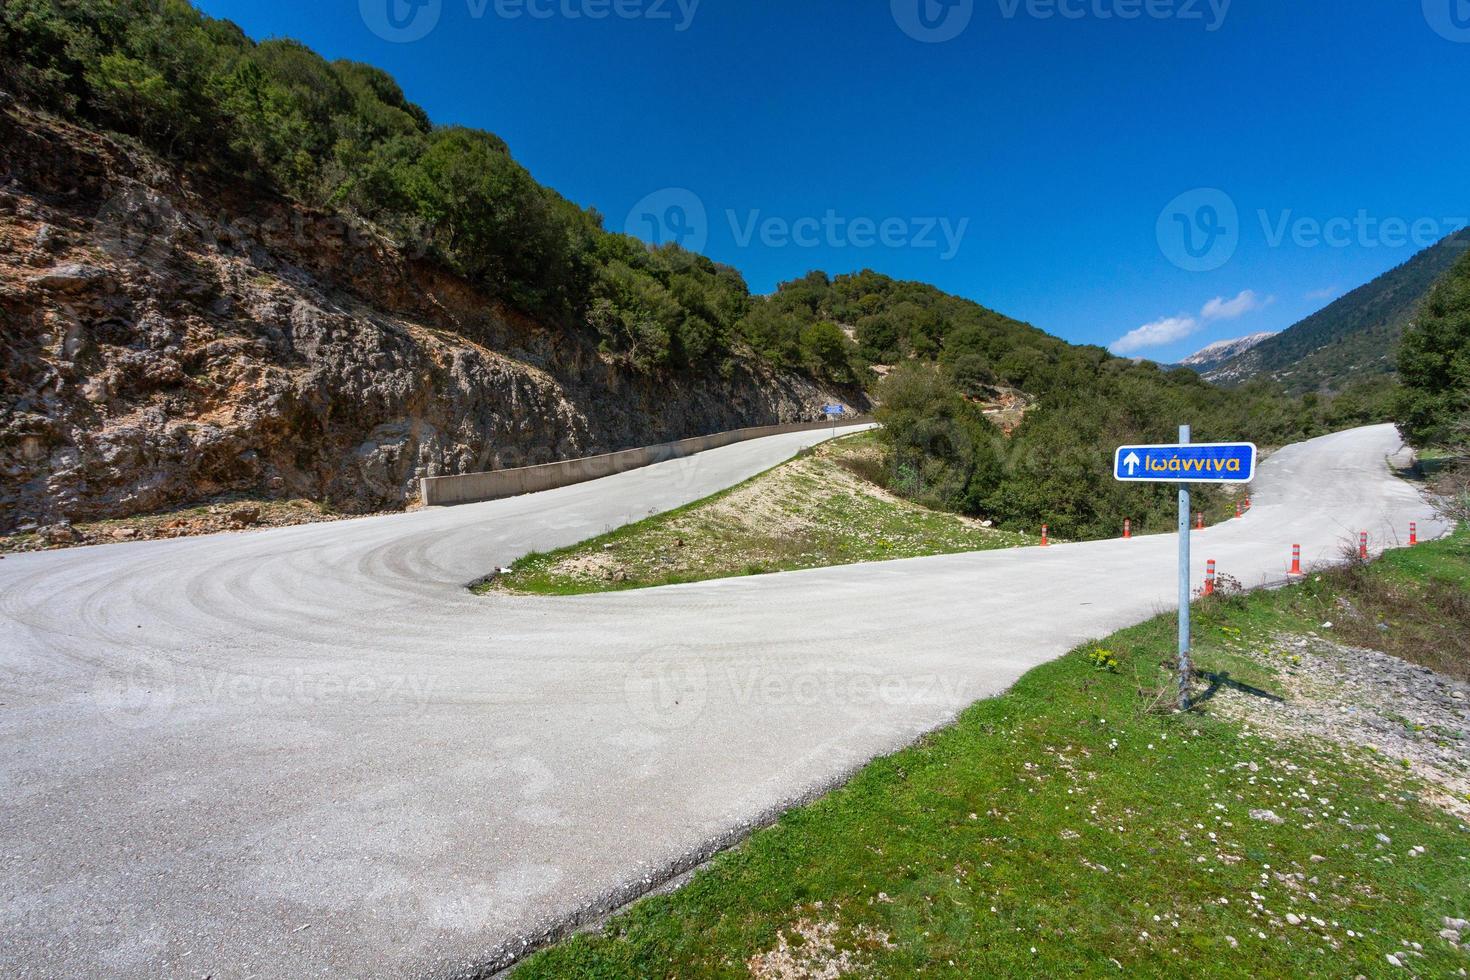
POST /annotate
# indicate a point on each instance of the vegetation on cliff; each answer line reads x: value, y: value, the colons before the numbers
x: 342, y: 135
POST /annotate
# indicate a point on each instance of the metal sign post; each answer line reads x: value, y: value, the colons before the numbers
x: 1185, y: 463
x: 1185, y: 670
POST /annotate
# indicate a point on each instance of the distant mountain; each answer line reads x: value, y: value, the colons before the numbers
x: 1208, y: 358
x: 1354, y: 338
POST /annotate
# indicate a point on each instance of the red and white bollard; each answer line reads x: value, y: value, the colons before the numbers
x: 1239, y: 511
x: 1210, y: 577
x: 1199, y: 521
x: 1045, y: 539
x: 1363, y: 546
x: 1413, y: 534
x: 1127, y: 528
x: 1247, y: 503
x: 1296, y: 559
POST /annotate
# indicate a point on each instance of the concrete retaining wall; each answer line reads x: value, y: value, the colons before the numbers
x: 445, y: 491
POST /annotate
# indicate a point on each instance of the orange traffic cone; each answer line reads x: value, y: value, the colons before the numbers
x: 1413, y: 534
x: 1210, y: 577
x: 1363, y: 546
x: 1045, y: 540
x: 1296, y: 559
x: 1127, y: 528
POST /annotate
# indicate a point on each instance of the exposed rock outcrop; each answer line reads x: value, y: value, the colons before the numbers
x: 167, y: 339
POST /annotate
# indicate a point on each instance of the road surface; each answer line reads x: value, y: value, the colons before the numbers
x: 309, y: 751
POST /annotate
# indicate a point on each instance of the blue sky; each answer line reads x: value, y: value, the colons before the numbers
x: 1170, y: 171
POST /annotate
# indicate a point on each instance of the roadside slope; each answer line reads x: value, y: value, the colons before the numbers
x: 429, y: 779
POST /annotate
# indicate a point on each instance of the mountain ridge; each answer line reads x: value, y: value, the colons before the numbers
x: 1221, y: 351
x: 1353, y: 339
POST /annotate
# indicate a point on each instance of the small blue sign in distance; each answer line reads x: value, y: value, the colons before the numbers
x: 834, y: 410
x: 1221, y: 462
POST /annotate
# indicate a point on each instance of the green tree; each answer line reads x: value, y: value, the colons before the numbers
x: 943, y: 449
x: 826, y: 352
x: 1434, y: 363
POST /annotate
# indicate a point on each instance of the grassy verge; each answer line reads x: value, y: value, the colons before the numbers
x: 1072, y: 827
x: 814, y: 511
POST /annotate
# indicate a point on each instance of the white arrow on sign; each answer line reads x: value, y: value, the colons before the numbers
x: 1132, y: 462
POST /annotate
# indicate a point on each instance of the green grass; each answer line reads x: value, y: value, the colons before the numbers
x: 811, y: 512
x: 1072, y: 827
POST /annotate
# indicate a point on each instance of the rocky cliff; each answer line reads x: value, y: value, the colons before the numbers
x: 168, y: 339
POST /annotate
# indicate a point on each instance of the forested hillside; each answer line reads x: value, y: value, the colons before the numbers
x: 342, y: 135
x: 949, y: 354
x: 1353, y: 340
x: 475, y: 318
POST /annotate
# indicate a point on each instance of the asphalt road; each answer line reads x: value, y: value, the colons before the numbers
x: 310, y: 751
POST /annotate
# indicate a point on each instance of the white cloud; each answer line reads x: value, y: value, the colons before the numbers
x: 1221, y: 308
x: 1172, y: 328
x: 1317, y: 295
x: 1156, y: 334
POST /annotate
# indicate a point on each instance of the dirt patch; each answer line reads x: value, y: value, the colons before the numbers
x: 233, y: 514
x: 817, y: 949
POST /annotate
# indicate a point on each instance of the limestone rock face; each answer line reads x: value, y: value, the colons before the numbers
x: 166, y: 340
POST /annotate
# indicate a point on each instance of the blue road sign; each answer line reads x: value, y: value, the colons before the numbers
x: 833, y: 410
x: 1223, y: 462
